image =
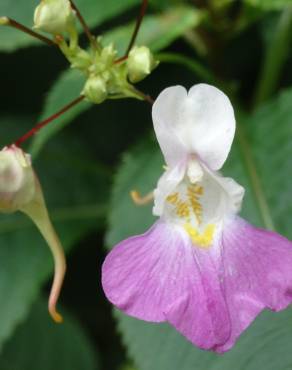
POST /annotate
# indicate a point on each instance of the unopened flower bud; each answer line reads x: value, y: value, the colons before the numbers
x: 95, y: 89
x: 54, y: 16
x: 20, y: 190
x: 140, y: 63
x: 17, y: 181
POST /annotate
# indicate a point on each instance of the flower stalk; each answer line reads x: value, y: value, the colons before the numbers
x: 5, y: 21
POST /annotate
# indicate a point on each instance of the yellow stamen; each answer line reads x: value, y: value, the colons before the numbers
x: 182, y: 209
x: 139, y: 200
x: 194, y: 191
x: 204, y: 239
x: 173, y: 198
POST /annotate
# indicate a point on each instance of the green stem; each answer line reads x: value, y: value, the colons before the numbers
x: 189, y: 63
x: 75, y: 213
x: 256, y: 184
x: 276, y: 56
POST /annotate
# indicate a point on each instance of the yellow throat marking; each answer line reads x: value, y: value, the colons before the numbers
x: 184, y: 209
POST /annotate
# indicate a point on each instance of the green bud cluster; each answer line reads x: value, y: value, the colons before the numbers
x: 107, y: 77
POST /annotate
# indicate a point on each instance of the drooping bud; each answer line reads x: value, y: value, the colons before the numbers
x: 95, y: 89
x: 20, y: 190
x: 17, y: 180
x: 140, y: 63
x: 54, y: 16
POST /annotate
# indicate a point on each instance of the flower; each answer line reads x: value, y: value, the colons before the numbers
x: 20, y: 190
x: 200, y: 267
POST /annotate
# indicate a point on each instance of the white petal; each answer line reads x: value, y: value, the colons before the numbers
x: 222, y: 196
x: 166, y: 184
x: 199, y: 123
x: 165, y: 114
x: 197, y: 206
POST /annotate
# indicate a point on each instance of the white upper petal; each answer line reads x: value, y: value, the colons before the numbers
x: 199, y: 123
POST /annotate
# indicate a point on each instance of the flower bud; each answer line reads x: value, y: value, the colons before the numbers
x: 54, y: 16
x: 17, y: 180
x: 20, y: 190
x: 140, y: 63
x: 95, y: 89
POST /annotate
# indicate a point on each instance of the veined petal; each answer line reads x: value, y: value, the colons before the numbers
x: 160, y: 275
x: 199, y: 123
x: 257, y: 274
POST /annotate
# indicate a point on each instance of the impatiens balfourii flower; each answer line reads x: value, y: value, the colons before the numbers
x: 20, y: 190
x: 200, y: 267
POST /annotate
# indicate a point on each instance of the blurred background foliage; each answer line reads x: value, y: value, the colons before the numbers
x: 90, y: 158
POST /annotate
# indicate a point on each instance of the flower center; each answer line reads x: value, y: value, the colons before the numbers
x: 186, y: 206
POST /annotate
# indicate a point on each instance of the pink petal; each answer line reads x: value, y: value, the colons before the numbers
x: 162, y: 275
x: 209, y: 295
x: 257, y: 274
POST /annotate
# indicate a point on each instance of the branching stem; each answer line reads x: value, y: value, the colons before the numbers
x: 136, y: 30
x: 5, y: 21
x: 86, y: 29
x: 41, y: 124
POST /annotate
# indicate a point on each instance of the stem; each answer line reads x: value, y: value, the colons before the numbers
x: 254, y: 179
x: 42, y: 124
x: 276, y: 55
x: 136, y: 30
x: 191, y: 64
x: 5, y: 21
x: 145, y: 97
x: 37, y: 211
x: 86, y: 29
x: 65, y: 214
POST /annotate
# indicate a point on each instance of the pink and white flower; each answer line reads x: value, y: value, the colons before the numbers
x: 200, y: 267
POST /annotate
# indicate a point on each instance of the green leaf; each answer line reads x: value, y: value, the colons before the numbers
x: 67, y: 88
x: 39, y: 343
x: 270, y: 129
x: 268, y: 4
x: 157, y: 31
x: 267, y: 343
x: 75, y: 190
x: 94, y: 12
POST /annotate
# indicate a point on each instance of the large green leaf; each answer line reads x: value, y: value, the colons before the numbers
x: 157, y: 31
x: 270, y: 132
x: 74, y: 189
x: 41, y: 344
x: 95, y: 12
x: 267, y: 344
